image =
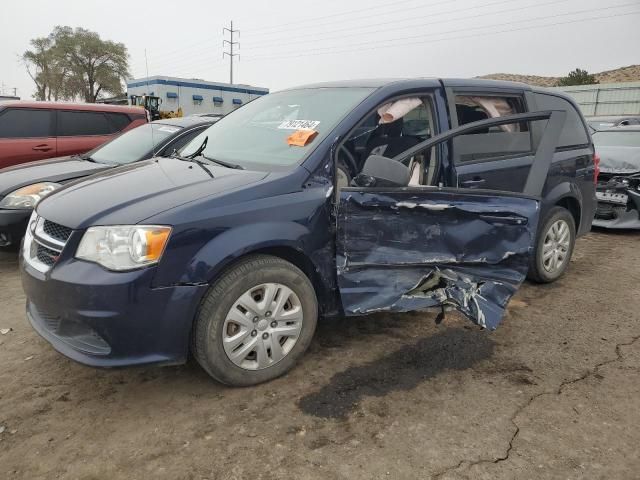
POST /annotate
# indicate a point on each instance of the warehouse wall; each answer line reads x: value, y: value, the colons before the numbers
x: 606, y: 98
x: 185, y: 89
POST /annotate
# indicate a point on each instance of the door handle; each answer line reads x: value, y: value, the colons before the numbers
x: 42, y: 148
x: 476, y: 181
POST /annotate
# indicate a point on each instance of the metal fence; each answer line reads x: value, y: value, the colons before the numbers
x: 606, y: 98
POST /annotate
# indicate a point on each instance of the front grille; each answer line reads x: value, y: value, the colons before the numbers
x: 57, y: 231
x: 44, y: 241
x: 46, y: 255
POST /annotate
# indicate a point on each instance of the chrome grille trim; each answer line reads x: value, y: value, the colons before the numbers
x: 40, y: 250
x: 43, y: 238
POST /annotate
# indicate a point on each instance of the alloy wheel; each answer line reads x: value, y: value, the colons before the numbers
x: 555, y: 249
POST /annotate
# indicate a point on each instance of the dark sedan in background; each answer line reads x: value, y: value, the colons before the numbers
x: 619, y: 181
x: 21, y: 187
x: 605, y: 122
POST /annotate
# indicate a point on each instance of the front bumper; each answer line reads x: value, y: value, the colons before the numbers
x: 110, y: 319
x: 13, y: 224
x: 619, y: 214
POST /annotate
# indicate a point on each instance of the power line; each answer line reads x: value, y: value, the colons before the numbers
x: 356, y: 33
x: 378, y: 15
x: 231, y: 44
x: 343, y: 13
x: 376, y: 47
x: 369, y: 46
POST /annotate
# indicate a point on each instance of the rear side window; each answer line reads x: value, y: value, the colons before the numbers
x: 574, y: 132
x: 76, y: 124
x: 493, y: 142
x: 119, y: 121
x: 24, y: 123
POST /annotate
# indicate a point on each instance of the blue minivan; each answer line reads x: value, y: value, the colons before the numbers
x: 332, y: 199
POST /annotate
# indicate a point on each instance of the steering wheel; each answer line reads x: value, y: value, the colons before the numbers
x: 343, y: 175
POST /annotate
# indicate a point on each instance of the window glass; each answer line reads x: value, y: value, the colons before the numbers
x: 133, y: 145
x: 23, y: 123
x: 617, y: 139
x: 492, y: 142
x: 260, y: 135
x: 182, y: 141
x: 119, y: 121
x: 574, y: 132
x: 75, y: 124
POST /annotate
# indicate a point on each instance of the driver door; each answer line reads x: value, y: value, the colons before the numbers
x: 410, y: 248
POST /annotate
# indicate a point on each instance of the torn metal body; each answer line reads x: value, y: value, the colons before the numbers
x: 402, y: 251
x: 618, y: 202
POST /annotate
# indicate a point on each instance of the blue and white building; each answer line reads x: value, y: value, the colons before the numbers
x: 193, y: 95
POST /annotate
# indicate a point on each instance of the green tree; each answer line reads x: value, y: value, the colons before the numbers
x: 76, y: 64
x: 47, y: 69
x: 577, y: 77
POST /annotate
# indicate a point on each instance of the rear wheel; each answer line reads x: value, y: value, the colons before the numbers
x: 255, y: 322
x: 554, y: 246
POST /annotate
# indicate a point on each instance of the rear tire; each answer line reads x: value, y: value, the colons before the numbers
x: 554, y: 246
x: 255, y: 322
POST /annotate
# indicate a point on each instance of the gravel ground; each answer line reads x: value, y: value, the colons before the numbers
x: 553, y: 393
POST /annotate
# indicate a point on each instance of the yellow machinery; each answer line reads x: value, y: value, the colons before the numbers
x: 152, y: 105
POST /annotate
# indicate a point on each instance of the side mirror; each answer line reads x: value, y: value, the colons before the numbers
x: 379, y: 171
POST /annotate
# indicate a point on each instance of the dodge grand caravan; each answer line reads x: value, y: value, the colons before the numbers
x: 332, y: 199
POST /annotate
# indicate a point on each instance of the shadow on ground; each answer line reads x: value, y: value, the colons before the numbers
x: 404, y: 369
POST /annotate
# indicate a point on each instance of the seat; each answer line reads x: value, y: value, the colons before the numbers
x: 468, y: 114
x: 387, y: 140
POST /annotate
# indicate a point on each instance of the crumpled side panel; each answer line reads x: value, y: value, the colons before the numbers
x: 397, y: 252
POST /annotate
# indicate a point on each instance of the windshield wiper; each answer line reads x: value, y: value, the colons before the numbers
x: 200, y: 148
x: 235, y: 166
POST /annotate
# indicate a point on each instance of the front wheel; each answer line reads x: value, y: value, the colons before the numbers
x: 255, y: 322
x: 554, y: 246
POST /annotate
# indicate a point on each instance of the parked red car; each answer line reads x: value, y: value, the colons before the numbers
x: 37, y: 130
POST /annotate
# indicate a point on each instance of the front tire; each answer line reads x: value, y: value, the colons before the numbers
x: 255, y: 322
x: 554, y: 246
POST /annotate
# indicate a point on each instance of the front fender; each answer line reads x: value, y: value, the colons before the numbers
x: 227, y: 247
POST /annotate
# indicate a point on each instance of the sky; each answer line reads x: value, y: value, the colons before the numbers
x: 287, y: 43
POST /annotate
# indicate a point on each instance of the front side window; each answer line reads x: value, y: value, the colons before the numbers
x: 389, y: 130
x: 276, y: 131
x: 133, y: 145
x: 77, y: 124
x: 24, y: 123
x: 120, y: 121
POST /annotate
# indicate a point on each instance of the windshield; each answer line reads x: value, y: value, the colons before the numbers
x: 260, y: 135
x: 617, y: 139
x: 133, y: 145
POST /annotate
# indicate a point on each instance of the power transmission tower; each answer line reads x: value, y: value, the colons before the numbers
x: 231, y: 44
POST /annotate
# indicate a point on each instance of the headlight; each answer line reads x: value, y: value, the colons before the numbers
x: 123, y: 247
x: 27, y: 197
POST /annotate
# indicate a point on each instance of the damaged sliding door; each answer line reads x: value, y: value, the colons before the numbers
x: 412, y: 248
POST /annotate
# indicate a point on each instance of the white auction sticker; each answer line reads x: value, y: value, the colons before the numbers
x: 299, y: 124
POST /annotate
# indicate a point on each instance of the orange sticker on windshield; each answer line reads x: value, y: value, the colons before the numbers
x: 301, y: 138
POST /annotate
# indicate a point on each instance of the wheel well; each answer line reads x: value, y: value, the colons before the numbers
x: 573, y: 206
x: 303, y: 262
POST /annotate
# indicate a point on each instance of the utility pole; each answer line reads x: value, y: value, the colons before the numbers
x: 231, y: 44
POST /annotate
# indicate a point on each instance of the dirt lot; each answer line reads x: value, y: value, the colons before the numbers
x: 553, y: 393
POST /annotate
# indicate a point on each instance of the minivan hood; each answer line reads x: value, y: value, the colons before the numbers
x: 57, y: 170
x: 129, y: 194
